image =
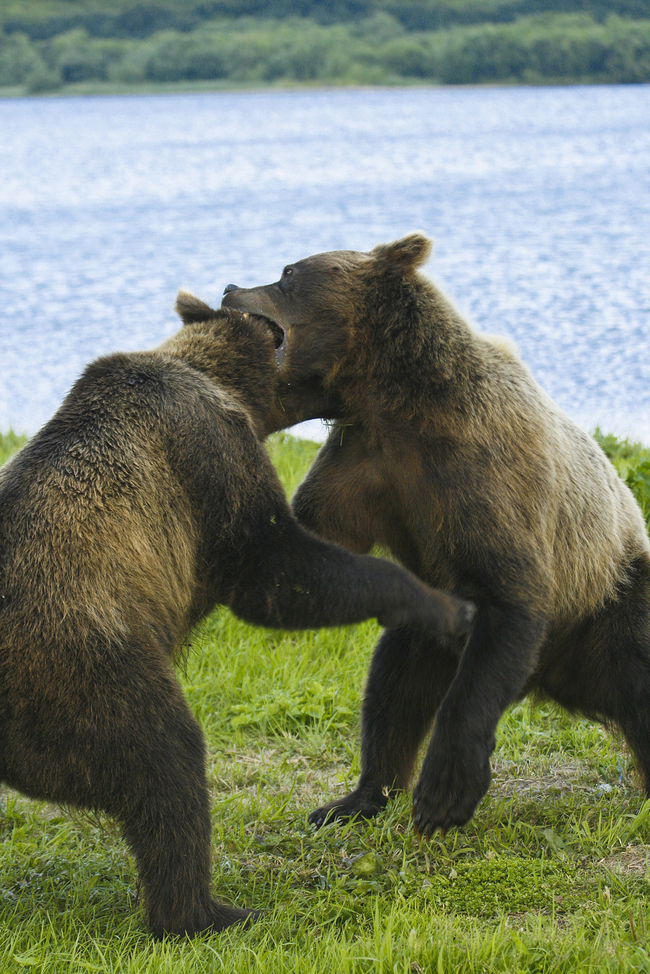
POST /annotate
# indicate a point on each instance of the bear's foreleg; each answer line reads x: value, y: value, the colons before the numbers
x: 290, y: 579
x: 500, y: 656
x: 409, y: 675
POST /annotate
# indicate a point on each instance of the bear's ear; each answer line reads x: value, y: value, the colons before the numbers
x: 192, y: 310
x: 403, y: 255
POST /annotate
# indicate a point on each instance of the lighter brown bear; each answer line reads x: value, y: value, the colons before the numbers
x: 447, y: 452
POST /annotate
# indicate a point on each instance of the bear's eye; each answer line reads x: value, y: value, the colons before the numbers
x: 287, y: 272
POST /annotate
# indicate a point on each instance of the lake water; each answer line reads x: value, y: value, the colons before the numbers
x: 538, y: 198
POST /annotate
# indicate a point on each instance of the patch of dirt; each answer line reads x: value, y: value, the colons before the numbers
x: 245, y: 770
x: 633, y: 861
x: 508, y: 781
x: 30, y: 806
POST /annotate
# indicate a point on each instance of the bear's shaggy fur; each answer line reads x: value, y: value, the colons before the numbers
x: 146, y: 500
x: 449, y: 454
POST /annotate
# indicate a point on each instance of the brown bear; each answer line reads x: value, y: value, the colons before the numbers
x: 449, y: 454
x: 145, y: 501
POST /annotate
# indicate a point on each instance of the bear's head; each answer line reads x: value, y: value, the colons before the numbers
x: 223, y: 333
x: 238, y: 350
x: 323, y: 309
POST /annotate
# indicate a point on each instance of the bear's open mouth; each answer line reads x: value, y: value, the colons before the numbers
x: 278, y: 335
x: 277, y: 331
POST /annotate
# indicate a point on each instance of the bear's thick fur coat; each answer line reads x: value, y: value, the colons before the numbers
x: 145, y: 501
x: 449, y: 454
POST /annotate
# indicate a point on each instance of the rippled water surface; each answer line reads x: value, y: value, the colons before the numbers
x: 539, y: 200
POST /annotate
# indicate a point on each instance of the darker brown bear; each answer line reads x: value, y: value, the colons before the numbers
x: 449, y: 454
x: 145, y: 501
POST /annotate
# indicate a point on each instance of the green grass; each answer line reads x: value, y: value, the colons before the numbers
x: 632, y: 461
x: 9, y: 443
x: 551, y: 875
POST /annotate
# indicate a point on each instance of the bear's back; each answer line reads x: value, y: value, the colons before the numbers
x: 100, y: 512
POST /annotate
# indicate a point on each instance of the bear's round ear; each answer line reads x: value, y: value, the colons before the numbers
x: 192, y: 310
x: 404, y: 255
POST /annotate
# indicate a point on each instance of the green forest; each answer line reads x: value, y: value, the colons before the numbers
x: 50, y: 45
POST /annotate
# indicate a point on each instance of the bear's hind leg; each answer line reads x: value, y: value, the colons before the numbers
x: 625, y: 702
x: 165, y: 816
x: 169, y: 835
x: 625, y: 696
x: 630, y: 654
x: 165, y: 820
x: 122, y: 740
x: 603, y: 669
x: 409, y: 675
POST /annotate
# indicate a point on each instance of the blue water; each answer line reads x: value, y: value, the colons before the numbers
x: 539, y: 200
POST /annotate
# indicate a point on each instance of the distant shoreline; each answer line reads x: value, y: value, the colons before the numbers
x: 88, y: 89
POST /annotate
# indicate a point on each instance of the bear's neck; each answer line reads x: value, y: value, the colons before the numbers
x: 243, y: 364
x: 409, y: 359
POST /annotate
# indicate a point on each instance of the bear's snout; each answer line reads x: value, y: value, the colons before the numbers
x: 230, y: 287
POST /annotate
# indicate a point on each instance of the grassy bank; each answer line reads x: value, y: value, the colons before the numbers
x: 550, y: 876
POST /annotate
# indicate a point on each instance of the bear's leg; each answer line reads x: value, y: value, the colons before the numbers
x: 500, y: 656
x: 409, y: 675
x: 290, y: 579
x: 119, y: 737
x: 626, y: 680
x: 603, y: 668
x: 166, y: 822
x: 626, y: 702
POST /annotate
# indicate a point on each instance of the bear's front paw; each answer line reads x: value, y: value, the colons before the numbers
x: 225, y: 916
x: 357, y: 803
x: 211, y: 917
x: 448, y: 792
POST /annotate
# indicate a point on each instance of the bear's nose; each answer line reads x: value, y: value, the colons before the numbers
x: 230, y: 287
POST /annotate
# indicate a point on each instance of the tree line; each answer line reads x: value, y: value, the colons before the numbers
x: 41, y: 19
x: 379, y: 48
